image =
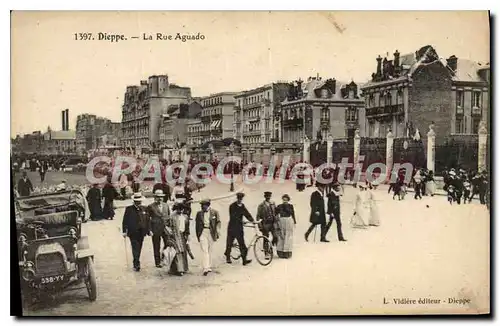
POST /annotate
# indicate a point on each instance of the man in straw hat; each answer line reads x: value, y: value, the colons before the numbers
x: 135, y: 225
x: 158, y: 213
x: 207, y: 231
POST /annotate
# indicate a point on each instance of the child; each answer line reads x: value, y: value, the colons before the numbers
x: 467, y: 191
x: 451, y: 194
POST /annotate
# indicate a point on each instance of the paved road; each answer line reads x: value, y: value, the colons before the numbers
x: 437, y: 252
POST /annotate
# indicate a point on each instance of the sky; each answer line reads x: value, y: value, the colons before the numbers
x: 52, y: 71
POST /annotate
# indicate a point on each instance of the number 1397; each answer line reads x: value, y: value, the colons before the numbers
x: 83, y: 36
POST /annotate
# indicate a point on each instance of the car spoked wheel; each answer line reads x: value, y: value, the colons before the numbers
x: 90, y: 279
x: 263, y: 250
x: 235, y: 251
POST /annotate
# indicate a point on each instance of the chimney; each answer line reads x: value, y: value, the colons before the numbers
x: 397, y: 66
x: 452, y: 63
x: 63, y: 119
x: 299, y: 88
x: 67, y: 119
x: 379, y: 66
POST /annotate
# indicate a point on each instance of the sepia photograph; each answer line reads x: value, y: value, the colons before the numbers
x: 250, y: 163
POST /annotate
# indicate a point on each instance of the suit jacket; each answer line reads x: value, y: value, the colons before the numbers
x: 236, y: 214
x: 157, y: 218
x: 24, y: 187
x: 266, y: 212
x: 317, y: 204
x: 135, y: 221
x: 214, y: 224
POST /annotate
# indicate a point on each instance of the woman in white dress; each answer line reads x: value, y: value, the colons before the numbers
x: 374, y: 219
x: 430, y: 185
x: 362, y: 209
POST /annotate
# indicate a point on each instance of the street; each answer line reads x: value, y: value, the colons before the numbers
x: 418, y: 252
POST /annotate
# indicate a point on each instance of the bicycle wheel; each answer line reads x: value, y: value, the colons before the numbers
x: 260, y: 253
x: 235, y: 251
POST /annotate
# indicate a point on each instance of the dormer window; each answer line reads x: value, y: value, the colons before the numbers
x: 324, y: 93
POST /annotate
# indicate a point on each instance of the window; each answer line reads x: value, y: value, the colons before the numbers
x: 476, y: 99
x: 388, y: 98
x: 325, y: 114
x: 460, y: 125
x: 371, y: 100
x: 475, y: 126
x: 381, y: 99
x: 460, y: 98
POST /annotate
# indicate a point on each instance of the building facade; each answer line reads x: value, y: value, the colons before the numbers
x: 93, y: 132
x: 412, y: 91
x: 256, y: 114
x: 62, y: 142
x: 143, y: 108
x: 320, y: 108
x: 173, y: 128
x: 215, y: 121
x: 28, y: 143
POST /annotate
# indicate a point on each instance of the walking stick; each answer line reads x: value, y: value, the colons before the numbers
x: 125, y: 249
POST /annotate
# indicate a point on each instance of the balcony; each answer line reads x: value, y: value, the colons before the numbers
x: 460, y: 110
x: 476, y: 111
x: 293, y: 123
x: 324, y: 122
x: 385, y: 110
x: 253, y: 119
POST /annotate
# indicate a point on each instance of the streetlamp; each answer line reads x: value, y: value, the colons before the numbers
x: 231, y: 151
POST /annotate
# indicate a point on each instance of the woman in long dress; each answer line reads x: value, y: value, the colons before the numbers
x: 430, y: 185
x: 362, y: 209
x: 175, y: 228
x: 286, y: 222
x: 374, y: 219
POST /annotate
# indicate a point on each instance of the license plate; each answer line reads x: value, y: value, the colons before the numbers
x: 51, y: 279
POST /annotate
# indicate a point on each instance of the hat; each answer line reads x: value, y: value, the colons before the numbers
x: 205, y: 201
x: 362, y: 185
x: 177, y: 206
x: 285, y: 197
x: 159, y: 193
x: 137, y: 197
x: 240, y: 195
x: 268, y: 193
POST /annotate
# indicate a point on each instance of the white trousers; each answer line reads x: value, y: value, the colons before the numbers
x: 206, y: 243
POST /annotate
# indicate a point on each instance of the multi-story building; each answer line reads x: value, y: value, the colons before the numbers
x: 93, y: 131
x: 414, y: 90
x: 215, y: 121
x: 28, y: 143
x: 143, y: 107
x: 320, y: 107
x: 256, y: 118
x: 173, y: 129
x: 61, y: 142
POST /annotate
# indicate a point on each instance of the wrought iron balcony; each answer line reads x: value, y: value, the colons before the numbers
x: 476, y: 111
x: 385, y: 110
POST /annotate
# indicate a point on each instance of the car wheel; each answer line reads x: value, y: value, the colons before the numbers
x: 91, y: 282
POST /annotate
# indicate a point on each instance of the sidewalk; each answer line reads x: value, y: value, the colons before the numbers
x: 214, y: 190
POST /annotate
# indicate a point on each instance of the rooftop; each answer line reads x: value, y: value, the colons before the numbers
x: 60, y: 135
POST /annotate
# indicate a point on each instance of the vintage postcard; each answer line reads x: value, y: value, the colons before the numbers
x: 251, y: 163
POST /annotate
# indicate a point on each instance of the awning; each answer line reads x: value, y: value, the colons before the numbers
x: 215, y: 124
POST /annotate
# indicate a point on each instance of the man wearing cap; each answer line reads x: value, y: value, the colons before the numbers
x: 158, y: 212
x: 266, y: 211
x: 237, y: 211
x: 135, y: 225
x: 207, y: 231
x: 24, y: 185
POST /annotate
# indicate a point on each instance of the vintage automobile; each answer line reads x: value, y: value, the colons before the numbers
x: 53, y: 253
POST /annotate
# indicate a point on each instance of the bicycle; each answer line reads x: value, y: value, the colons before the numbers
x: 258, y: 243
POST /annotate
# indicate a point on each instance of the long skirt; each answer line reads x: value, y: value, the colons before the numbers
x: 374, y: 214
x: 179, y: 264
x: 430, y: 187
x: 361, y: 218
x: 285, y: 237
x: 108, y: 211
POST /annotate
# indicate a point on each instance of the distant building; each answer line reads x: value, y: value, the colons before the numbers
x: 143, y: 107
x: 28, y: 143
x: 93, y: 132
x: 61, y: 142
x: 173, y: 130
x: 320, y: 107
x: 256, y: 117
x: 216, y: 119
x: 414, y: 90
